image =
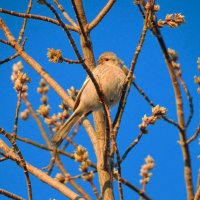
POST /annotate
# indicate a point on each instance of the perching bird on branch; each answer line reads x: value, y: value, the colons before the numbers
x: 110, y: 77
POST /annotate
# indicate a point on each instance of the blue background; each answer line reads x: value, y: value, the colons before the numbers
x: 119, y: 32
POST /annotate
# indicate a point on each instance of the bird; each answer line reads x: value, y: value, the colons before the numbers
x: 110, y: 77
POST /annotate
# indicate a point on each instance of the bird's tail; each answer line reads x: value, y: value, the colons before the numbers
x: 64, y: 130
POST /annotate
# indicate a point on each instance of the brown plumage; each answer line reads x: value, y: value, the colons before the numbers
x: 110, y: 77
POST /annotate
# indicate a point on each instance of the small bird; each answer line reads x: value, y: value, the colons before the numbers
x: 110, y: 77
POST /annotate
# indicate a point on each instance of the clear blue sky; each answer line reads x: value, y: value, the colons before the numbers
x: 118, y: 32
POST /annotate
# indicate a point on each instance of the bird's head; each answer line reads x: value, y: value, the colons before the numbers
x: 108, y: 57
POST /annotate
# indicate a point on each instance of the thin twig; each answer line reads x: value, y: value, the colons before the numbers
x: 101, y: 14
x: 137, y: 190
x: 82, y: 28
x: 3, y: 158
x: 50, y: 148
x: 47, y: 78
x: 37, y: 17
x: 71, y: 61
x: 119, y: 175
x: 180, y: 114
x: 197, y: 195
x: 50, y: 166
x: 70, y: 139
x: 83, y: 174
x: 17, y: 115
x: 94, y: 189
x: 128, y: 81
x: 22, y: 161
x: 4, y: 42
x: 21, y: 34
x: 189, y: 97
x: 39, y: 174
x: 10, y: 195
x: 12, y: 57
x: 192, y: 138
x: 132, y: 145
x: 44, y: 147
x: 65, y: 14
x: 72, y: 182
x: 9, y: 58
x: 150, y: 102
x: 38, y: 68
x: 179, y: 107
x: 37, y: 120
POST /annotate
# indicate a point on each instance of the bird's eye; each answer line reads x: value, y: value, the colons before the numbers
x: 106, y: 59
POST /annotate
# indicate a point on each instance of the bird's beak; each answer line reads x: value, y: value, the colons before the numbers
x: 100, y: 61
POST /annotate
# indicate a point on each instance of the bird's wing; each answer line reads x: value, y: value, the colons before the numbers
x: 80, y: 92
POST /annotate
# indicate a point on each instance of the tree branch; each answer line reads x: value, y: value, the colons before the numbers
x: 101, y: 15
x: 137, y: 190
x: 180, y: 115
x: 192, y: 138
x: 21, y: 160
x: 10, y: 195
x: 80, y: 17
x: 150, y: 102
x: 37, y: 17
x: 21, y: 34
x: 9, y: 58
x: 189, y: 97
x: 36, y: 66
x: 65, y: 14
x: 131, y: 146
x: 51, y: 149
x: 129, y: 78
x: 87, y: 69
x: 39, y: 174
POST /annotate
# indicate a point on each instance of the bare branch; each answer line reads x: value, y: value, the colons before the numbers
x: 37, y: 17
x: 21, y: 160
x: 39, y: 174
x: 197, y: 195
x: 10, y: 195
x: 21, y: 34
x: 70, y: 139
x: 44, y: 147
x: 129, y: 78
x: 36, y: 66
x: 180, y: 114
x: 36, y: 118
x: 9, y: 58
x: 101, y: 15
x: 94, y: 189
x: 137, y: 190
x: 12, y: 57
x: 189, y: 97
x: 71, y: 61
x: 179, y: 107
x: 89, y: 72
x: 17, y: 115
x: 61, y: 92
x: 150, y: 102
x: 131, y: 146
x: 80, y: 19
x: 4, y: 42
x: 192, y: 138
x: 65, y: 14
x: 119, y: 175
x: 55, y: 156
